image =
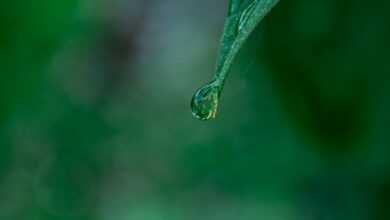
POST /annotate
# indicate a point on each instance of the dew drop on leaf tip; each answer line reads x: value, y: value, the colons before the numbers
x: 204, y: 104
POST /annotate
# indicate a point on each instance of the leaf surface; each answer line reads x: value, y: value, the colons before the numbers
x: 243, y: 17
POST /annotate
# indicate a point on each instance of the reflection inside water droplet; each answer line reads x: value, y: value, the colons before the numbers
x: 204, y: 103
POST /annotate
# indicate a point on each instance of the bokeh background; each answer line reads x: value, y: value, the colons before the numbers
x: 95, y: 121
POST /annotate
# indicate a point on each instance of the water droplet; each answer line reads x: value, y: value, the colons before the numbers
x: 204, y: 103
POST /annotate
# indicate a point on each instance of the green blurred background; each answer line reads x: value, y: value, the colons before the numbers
x: 95, y: 121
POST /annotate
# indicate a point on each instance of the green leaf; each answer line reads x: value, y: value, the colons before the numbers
x: 242, y: 19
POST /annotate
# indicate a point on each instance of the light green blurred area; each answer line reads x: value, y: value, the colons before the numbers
x: 95, y: 120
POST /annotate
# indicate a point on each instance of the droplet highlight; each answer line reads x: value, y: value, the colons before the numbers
x: 204, y: 104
